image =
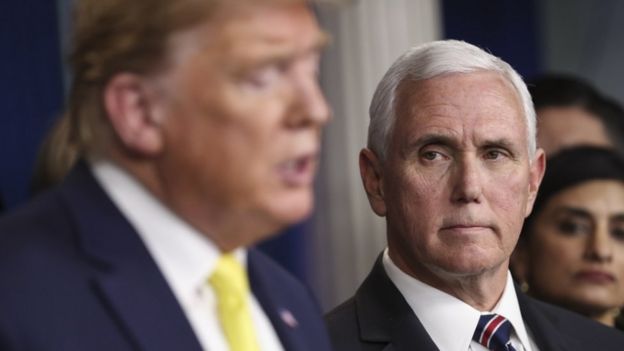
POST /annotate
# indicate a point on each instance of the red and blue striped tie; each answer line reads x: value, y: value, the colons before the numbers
x: 493, y: 332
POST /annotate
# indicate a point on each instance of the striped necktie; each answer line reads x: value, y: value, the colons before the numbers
x: 493, y: 332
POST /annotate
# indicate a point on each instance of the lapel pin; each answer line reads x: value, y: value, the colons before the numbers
x: 288, y: 318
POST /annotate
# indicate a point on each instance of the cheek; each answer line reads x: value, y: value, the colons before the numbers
x: 552, y: 258
x: 416, y: 203
x: 508, y: 196
x: 514, y: 186
x: 618, y: 252
x: 415, y: 192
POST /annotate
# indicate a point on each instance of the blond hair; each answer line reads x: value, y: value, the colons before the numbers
x: 113, y: 36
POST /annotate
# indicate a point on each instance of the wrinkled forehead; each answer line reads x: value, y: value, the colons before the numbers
x: 412, y: 94
x: 483, y: 97
x: 249, y: 26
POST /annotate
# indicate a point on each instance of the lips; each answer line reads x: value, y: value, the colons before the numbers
x: 298, y: 171
x: 466, y: 229
x: 595, y: 276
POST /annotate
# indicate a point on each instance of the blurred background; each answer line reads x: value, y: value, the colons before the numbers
x: 334, y: 250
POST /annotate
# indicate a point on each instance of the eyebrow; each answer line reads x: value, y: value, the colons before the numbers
x: 433, y: 138
x: 286, y: 56
x: 502, y: 142
x: 445, y: 140
x: 324, y: 40
x: 575, y: 211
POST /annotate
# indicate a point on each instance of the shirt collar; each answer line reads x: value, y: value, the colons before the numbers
x: 184, y: 255
x: 509, y: 308
x: 440, y: 312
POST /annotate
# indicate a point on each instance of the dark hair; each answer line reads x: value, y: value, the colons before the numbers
x: 561, y: 90
x: 571, y: 167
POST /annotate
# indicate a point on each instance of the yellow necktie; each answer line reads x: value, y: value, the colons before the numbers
x: 231, y: 287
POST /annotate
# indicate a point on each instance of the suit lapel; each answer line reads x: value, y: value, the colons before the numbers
x: 277, y: 308
x: 124, y: 276
x: 543, y: 330
x: 385, y: 317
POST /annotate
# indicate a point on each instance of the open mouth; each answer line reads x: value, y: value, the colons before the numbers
x: 298, y: 171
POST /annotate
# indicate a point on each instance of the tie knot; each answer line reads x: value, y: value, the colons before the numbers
x: 493, y: 331
x: 230, y: 276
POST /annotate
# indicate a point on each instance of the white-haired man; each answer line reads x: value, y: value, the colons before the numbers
x: 453, y: 166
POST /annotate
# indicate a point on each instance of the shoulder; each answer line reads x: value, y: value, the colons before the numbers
x: 279, y: 291
x: 268, y: 274
x: 40, y: 267
x: 264, y: 269
x: 35, y: 231
x: 46, y: 222
x: 342, y: 323
x: 582, y: 332
x: 342, y: 316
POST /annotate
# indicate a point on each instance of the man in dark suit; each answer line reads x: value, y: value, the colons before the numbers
x: 453, y: 165
x: 198, y: 124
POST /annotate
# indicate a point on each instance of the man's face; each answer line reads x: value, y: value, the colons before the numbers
x: 457, y: 182
x: 562, y: 127
x: 242, y: 114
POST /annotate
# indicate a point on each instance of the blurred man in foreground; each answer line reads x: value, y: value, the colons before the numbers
x: 452, y: 164
x: 198, y: 124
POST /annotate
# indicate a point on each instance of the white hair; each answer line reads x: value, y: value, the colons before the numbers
x: 431, y: 60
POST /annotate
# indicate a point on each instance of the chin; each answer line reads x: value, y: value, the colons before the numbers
x: 292, y: 208
x: 467, y: 266
x: 598, y: 299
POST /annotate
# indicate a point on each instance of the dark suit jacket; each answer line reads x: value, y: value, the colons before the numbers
x: 379, y: 318
x: 74, y: 275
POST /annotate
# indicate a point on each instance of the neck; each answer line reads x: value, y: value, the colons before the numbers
x: 607, y: 318
x: 228, y: 228
x: 480, y: 290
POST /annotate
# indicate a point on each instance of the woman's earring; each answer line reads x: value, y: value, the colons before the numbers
x: 524, y: 287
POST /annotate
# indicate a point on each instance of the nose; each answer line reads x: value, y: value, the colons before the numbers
x: 599, y: 247
x: 311, y: 106
x: 467, y: 187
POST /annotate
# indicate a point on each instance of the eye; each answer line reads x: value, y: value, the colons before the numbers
x: 618, y: 234
x: 573, y: 227
x: 431, y: 155
x: 265, y: 77
x: 617, y: 230
x: 311, y: 64
x: 494, y: 154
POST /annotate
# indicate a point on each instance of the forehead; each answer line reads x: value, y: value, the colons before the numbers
x: 478, y: 103
x: 600, y: 196
x: 247, y: 30
x: 560, y: 127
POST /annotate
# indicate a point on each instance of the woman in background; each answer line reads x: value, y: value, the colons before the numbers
x: 571, y: 251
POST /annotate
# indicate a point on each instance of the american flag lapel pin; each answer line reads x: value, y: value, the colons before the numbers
x: 288, y: 318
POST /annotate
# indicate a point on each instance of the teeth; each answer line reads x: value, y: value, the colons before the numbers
x: 296, y: 165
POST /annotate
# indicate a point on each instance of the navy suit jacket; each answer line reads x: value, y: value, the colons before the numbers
x: 74, y: 275
x: 379, y: 318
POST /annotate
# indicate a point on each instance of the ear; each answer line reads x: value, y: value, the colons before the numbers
x: 372, y: 178
x: 536, y: 173
x: 128, y: 105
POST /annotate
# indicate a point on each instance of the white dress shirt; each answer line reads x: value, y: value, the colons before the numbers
x: 184, y: 256
x: 451, y: 322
